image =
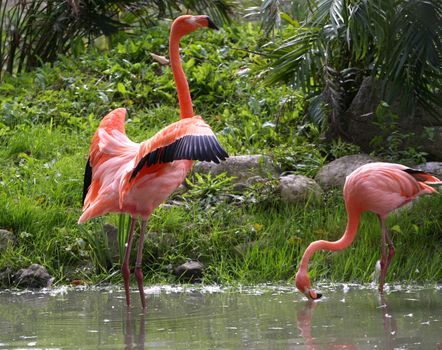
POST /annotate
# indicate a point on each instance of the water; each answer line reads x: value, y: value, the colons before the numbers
x: 262, y: 317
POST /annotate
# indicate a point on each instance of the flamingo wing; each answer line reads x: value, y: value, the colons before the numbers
x: 422, y: 176
x: 187, y: 139
x: 109, y: 140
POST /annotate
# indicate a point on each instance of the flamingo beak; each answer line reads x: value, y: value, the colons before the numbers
x: 311, y: 294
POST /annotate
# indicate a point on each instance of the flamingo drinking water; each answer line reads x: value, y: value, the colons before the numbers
x: 126, y: 177
x: 379, y: 188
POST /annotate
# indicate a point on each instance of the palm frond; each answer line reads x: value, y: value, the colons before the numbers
x: 271, y: 15
x: 298, y: 56
x: 398, y: 42
x: 416, y: 57
x: 36, y: 31
x: 219, y: 10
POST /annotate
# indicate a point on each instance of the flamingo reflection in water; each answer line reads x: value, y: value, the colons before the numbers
x: 304, y: 324
x: 130, y: 331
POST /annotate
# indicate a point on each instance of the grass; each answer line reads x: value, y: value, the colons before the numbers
x: 254, y: 243
x: 48, y: 117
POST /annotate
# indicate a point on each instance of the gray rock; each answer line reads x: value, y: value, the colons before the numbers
x: 334, y: 173
x: 35, y: 276
x: 191, y: 271
x: 298, y: 189
x: 6, y: 238
x: 241, y: 167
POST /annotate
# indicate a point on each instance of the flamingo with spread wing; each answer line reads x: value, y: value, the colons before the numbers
x: 122, y: 176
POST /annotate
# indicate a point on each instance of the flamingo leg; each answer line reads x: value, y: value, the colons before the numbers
x: 138, y: 264
x: 390, y: 246
x: 385, y: 256
x: 125, y: 267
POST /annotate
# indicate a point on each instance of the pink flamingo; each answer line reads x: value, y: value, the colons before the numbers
x: 379, y: 188
x: 122, y: 176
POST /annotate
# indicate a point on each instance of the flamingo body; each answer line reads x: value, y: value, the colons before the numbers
x: 383, y: 187
x: 127, y: 177
x: 379, y: 188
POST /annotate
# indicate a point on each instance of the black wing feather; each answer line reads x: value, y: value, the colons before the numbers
x: 419, y: 175
x: 414, y: 171
x: 190, y: 147
x: 199, y: 154
x: 87, y: 179
x: 206, y: 148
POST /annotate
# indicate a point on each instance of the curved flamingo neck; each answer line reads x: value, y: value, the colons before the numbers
x: 184, y: 99
x: 342, y: 243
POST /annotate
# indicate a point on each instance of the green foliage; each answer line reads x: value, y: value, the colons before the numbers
x: 36, y: 32
x: 98, y: 247
x: 273, y: 12
x: 341, y: 148
x: 208, y: 189
x: 339, y: 43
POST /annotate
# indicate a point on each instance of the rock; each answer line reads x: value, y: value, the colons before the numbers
x: 361, y: 117
x: 298, y: 189
x: 334, y: 173
x: 191, y: 271
x: 35, y: 276
x: 6, y: 238
x: 434, y: 168
x: 241, y: 167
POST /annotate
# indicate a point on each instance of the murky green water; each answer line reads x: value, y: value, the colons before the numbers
x: 264, y: 317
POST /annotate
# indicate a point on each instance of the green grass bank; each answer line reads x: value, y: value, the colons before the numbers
x: 48, y: 117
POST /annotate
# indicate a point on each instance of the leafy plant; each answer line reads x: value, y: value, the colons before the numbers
x: 37, y: 31
x: 98, y: 248
x: 207, y: 189
x: 272, y: 12
x: 340, y: 42
x: 339, y: 148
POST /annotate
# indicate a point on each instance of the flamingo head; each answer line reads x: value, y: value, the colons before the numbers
x: 187, y: 23
x: 302, y: 282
